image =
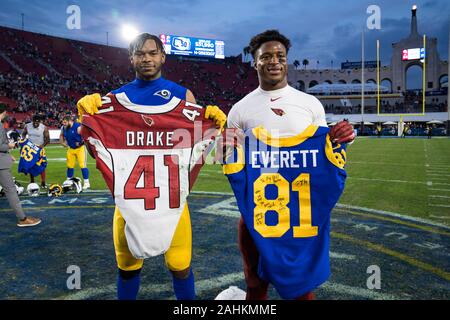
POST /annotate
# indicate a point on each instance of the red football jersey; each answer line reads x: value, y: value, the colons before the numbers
x: 149, y: 157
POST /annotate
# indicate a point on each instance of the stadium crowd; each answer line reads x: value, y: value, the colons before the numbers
x: 45, y: 75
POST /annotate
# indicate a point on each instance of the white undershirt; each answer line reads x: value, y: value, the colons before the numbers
x: 283, y: 112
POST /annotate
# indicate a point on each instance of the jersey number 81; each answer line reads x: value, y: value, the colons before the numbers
x: 280, y: 205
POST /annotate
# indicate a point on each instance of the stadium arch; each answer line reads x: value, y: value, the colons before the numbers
x: 328, y: 81
x: 356, y: 81
x: 342, y: 81
x: 443, y: 81
x: 413, y: 76
x: 313, y: 83
x: 387, y: 83
x: 301, y: 85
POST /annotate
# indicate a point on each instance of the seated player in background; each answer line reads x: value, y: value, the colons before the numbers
x: 150, y: 89
x: 284, y: 112
x: 37, y: 133
x: 70, y: 138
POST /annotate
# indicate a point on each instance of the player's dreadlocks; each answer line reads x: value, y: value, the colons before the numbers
x: 139, y: 41
x: 266, y: 36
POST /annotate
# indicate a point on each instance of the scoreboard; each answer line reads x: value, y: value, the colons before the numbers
x: 189, y: 46
x: 413, y: 54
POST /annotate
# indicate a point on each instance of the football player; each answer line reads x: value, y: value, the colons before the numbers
x: 147, y: 57
x: 6, y: 179
x: 33, y: 160
x: 38, y: 134
x: 70, y: 138
x: 284, y: 112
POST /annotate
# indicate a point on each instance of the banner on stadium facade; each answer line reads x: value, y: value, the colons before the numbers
x: 357, y: 64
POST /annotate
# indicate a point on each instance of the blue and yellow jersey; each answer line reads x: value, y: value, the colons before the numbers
x: 155, y: 92
x: 32, y: 158
x: 71, y: 135
x: 285, y: 190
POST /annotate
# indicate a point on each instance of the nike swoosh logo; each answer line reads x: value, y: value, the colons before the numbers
x: 272, y: 100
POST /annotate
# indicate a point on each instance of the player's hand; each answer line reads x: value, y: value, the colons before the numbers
x: 342, y: 132
x: 229, y: 140
x: 13, y: 159
x: 11, y: 145
x: 216, y: 115
x: 89, y: 104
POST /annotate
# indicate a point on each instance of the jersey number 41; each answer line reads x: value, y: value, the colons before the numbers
x: 145, y: 165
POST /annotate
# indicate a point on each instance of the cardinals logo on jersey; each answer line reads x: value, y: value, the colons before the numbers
x: 148, y: 120
x: 278, y: 112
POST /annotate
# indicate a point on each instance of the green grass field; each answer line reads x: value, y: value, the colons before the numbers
x: 406, y: 176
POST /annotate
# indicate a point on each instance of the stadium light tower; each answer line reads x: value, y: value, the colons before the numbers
x: 129, y: 32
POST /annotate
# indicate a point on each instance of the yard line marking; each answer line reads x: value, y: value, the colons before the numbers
x: 96, y: 191
x: 213, y: 192
x: 440, y: 217
x: 440, y: 183
x: 337, y: 255
x: 84, y: 193
x: 439, y: 205
x: 209, y: 196
x: 401, y: 256
x: 383, y: 163
x: 438, y: 174
x: 63, y: 207
x: 438, y: 189
x: 204, y: 174
x: 22, y: 181
x: 409, y: 224
x: 357, y: 292
x: 386, y: 180
x: 393, y: 214
x: 436, y: 196
x: 54, y: 147
x: 437, y: 165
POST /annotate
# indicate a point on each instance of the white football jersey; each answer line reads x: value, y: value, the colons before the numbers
x: 150, y: 157
x: 284, y: 112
